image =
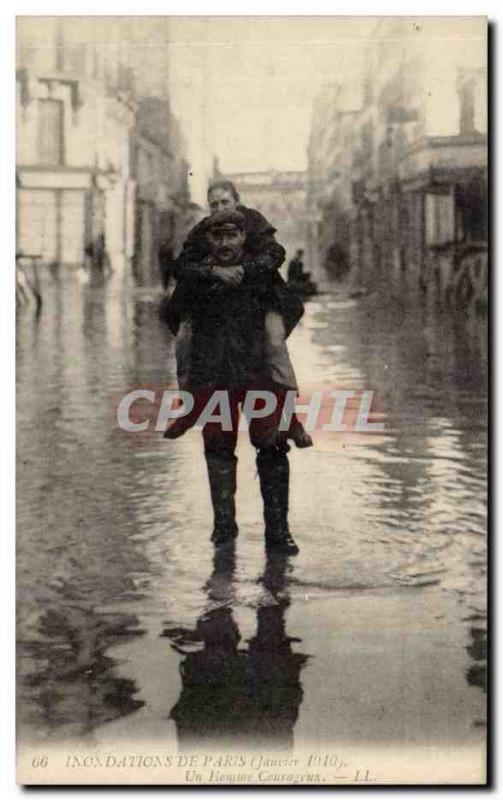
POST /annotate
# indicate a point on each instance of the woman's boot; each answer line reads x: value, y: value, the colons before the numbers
x: 274, y: 474
x: 222, y: 478
x: 298, y: 434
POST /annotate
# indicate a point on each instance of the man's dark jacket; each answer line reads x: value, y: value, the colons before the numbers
x: 264, y: 256
x: 226, y: 348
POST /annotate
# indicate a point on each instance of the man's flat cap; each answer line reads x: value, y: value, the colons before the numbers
x: 225, y: 220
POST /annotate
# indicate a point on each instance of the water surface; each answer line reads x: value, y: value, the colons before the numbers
x: 130, y: 626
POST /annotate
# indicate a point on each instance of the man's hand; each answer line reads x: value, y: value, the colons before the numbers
x: 231, y: 276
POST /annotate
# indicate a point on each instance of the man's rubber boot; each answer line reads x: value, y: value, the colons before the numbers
x: 274, y: 474
x: 222, y: 478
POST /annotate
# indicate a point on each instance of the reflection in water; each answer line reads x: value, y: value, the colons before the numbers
x: 228, y: 692
x: 477, y: 650
x: 70, y: 685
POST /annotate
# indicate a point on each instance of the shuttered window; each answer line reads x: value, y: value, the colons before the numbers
x: 50, y: 132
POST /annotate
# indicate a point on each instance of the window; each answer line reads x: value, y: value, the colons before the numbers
x: 467, y: 108
x: 74, y: 59
x: 439, y: 219
x: 50, y: 132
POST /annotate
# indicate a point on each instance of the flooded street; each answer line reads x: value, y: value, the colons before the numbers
x: 130, y: 626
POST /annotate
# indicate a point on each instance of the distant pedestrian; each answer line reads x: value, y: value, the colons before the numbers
x: 166, y: 260
x: 299, y: 280
x: 98, y: 258
x: 296, y: 268
x: 336, y: 260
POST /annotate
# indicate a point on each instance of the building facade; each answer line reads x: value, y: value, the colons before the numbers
x: 417, y: 180
x: 73, y: 177
x: 161, y: 197
x: 329, y: 177
x: 97, y: 161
